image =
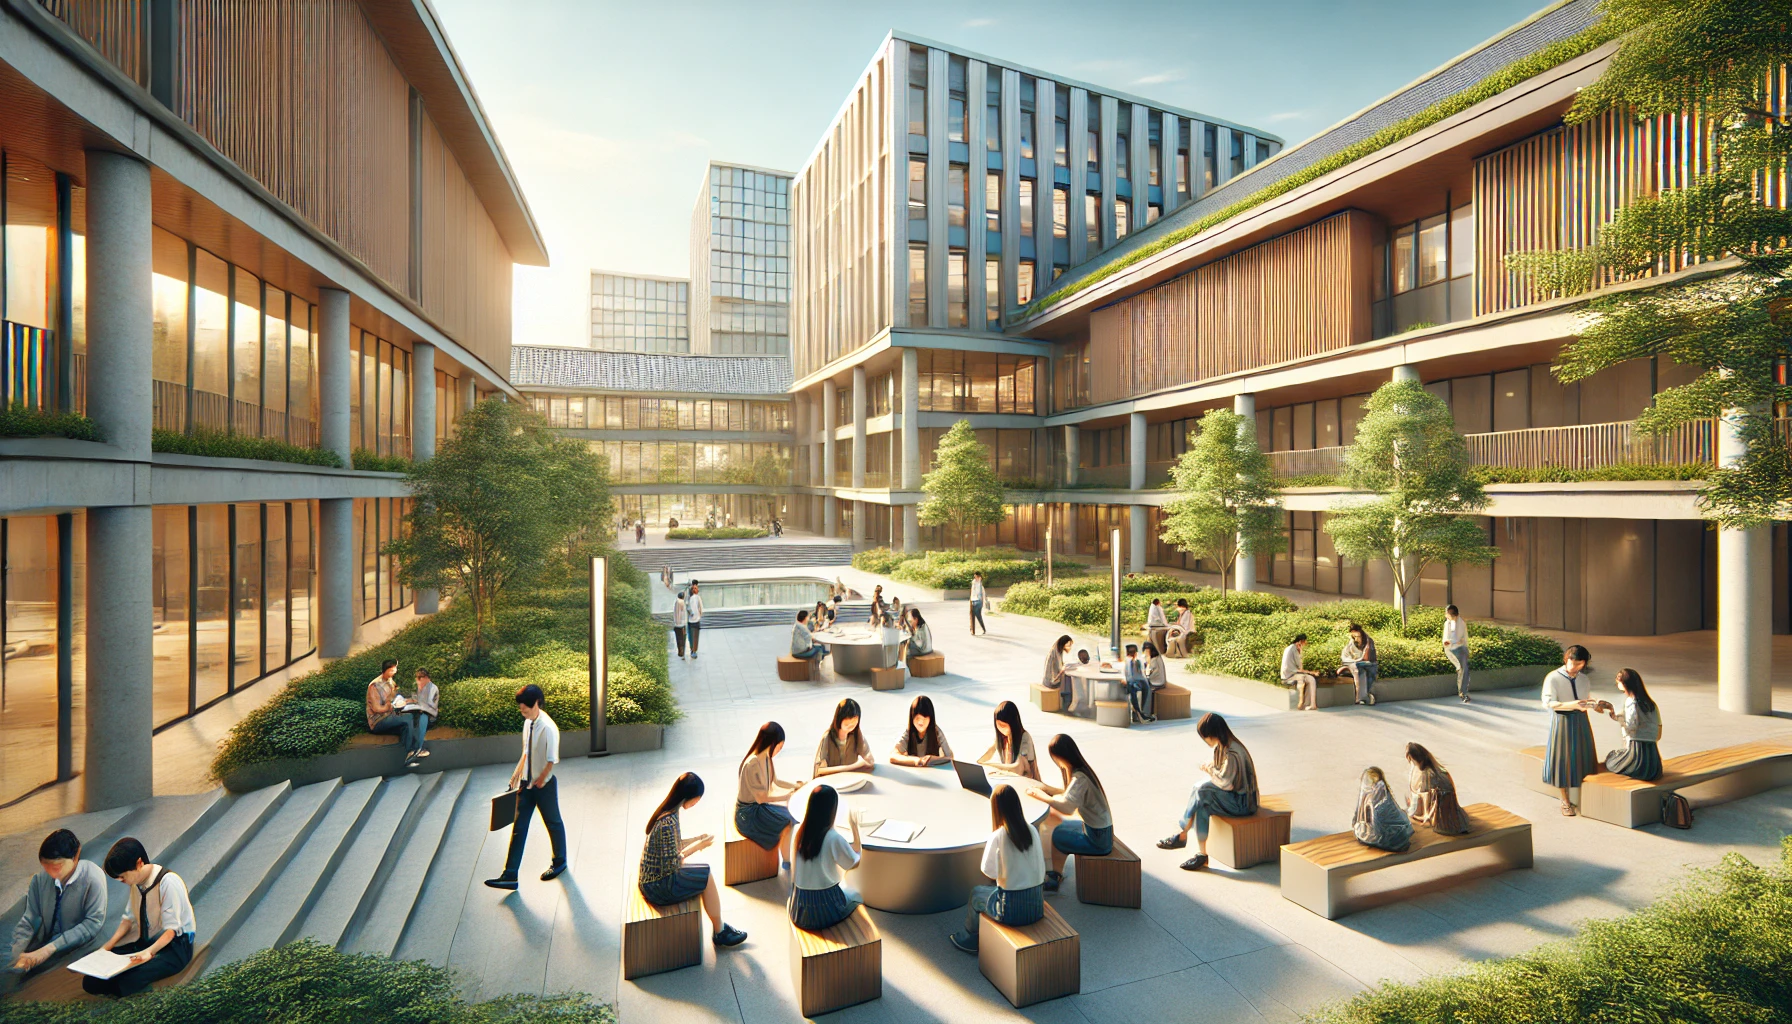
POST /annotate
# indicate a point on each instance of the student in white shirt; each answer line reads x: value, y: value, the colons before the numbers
x: 977, y: 604
x: 1294, y: 674
x: 822, y: 854
x: 680, y: 621
x: 1015, y: 858
x: 540, y: 789
x: 693, y: 616
x: 1456, y: 648
x: 159, y: 911
x: 1157, y: 627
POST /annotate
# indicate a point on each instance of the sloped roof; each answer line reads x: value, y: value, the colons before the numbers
x: 543, y: 366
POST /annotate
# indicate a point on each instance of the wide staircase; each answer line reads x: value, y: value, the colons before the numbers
x: 339, y: 863
x: 710, y: 556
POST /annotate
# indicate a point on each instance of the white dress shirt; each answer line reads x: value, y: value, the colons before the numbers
x: 541, y: 745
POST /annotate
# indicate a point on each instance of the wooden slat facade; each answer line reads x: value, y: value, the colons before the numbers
x: 114, y: 27
x: 465, y: 272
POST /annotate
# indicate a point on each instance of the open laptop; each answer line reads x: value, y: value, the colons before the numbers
x: 972, y: 777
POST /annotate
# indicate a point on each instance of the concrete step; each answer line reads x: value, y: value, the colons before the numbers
x: 351, y: 882
x: 204, y: 854
x: 429, y: 935
x: 18, y: 852
x: 687, y: 559
x: 293, y: 891
x: 225, y: 901
x: 380, y: 922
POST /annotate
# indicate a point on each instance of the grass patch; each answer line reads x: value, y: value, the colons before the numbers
x: 217, y: 444
x: 719, y: 533
x: 951, y: 570
x: 369, y: 461
x: 18, y: 420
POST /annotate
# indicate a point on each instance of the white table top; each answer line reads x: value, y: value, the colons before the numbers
x: 954, y: 816
x: 1093, y: 670
x: 850, y: 635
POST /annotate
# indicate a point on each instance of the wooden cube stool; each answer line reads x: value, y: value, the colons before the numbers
x: 656, y: 939
x: 1031, y: 963
x: 743, y: 860
x: 1171, y: 702
x: 1239, y: 843
x: 921, y: 666
x: 1117, y: 713
x: 838, y: 966
x: 1047, y: 699
x: 1110, y: 881
x: 792, y: 669
x: 888, y: 678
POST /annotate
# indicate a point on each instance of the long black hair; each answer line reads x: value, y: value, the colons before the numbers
x: 847, y: 708
x: 1213, y: 727
x: 770, y: 735
x: 915, y: 744
x: 1421, y: 758
x: 1064, y: 749
x: 1005, y: 812
x: 914, y: 615
x: 685, y: 788
x: 1633, y: 685
x: 1008, y: 712
x: 818, y: 820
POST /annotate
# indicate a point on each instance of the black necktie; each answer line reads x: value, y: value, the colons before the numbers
x: 56, y: 914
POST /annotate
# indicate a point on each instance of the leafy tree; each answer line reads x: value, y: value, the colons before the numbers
x: 494, y: 506
x: 1408, y: 453
x: 1715, y: 57
x: 1228, y: 502
x: 962, y: 490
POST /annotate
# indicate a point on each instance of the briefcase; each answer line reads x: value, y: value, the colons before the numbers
x: 504, y: 810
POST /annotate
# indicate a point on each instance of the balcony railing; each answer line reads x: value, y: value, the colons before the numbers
x: 1309, y: 462
x: 1580, y: 447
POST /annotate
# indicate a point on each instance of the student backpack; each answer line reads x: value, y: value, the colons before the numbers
x: 1675, y: 811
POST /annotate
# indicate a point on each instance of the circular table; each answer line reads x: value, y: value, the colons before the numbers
x: 936, y: 869
x: 856, y: 650
x: 1102, y: 684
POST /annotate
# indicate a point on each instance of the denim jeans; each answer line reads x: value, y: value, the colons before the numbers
x: 1209, y: 799
x: 1365, y: 679
x: 1459, y: 657
x: 418, y: 728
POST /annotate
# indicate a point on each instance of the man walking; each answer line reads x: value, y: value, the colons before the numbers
x: 540, y: 789
x: 680, y: 618
x: 977, y: 604
x: 1456, y: 648
x: 693, y: 617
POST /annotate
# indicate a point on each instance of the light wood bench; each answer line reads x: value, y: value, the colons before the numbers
x: 1171, y: 702
x: 838, y: 966
x: 923, y: 666
x: 1110, y: 881
x: 1317, y: 873
x: 1239, y: 843
x: 1047, y: 699
x: 1031, y: 963
x: 1530, y: 767
x: 1707, y: 777
x: 792, y: 669
x: 893, y: 678
x: 743, y: 860
x: 1116, y: 713
x: 656, y: 939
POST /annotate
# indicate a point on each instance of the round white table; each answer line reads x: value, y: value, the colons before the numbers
x: 1098, y: 682
x: 855, y: 649
x: 934, y: 870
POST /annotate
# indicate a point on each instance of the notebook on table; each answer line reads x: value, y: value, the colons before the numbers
x: 895, y: 831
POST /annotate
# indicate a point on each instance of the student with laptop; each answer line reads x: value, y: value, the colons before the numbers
x: 1012, y: 751
x: 159, y: 911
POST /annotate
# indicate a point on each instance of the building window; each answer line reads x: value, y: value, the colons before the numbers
x: 917, y: 91
x: 1154, y: 126
x: 917, y: 189
x: 992, y: 201
x: 1433, y: 251
x: 992, y: 292
x: 1462, y: 240
x: 957, y: 289
x: 1183, y: 141
x: 1092, y: 220
x: 1060, y: 213
x: 957, y: 195
x: 992, y: 109
x: 1061, y: 126
x: 1026, y: 208
x: 1024, y: 283
x: 1237, y: 155
x: 1210, y: 157
x: 1123, y: 143
x: 1092, y: 135
x: 1122, y: 218
x: 917, y: 285
x: 1262, y: 152
x: 955, y: 100
x: 1404, y: 265
x: 1029, y: 106
x: 1152, y: 212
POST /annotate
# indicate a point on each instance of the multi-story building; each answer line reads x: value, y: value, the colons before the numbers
x: 640, y: 313
x: 740, y: 262
x: 289, y: 221
x: 686, y: 437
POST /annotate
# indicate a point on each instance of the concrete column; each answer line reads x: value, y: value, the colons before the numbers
x: 1244, y: 573
x: 1744, y: 601
x: 1136, y: 538
x: 829, y: 404
x: 119, y: 761
x: 1072, y: 452
x: 911, y: 528
x: 333, y: 372
x: 1407, y: 371
x: 469, y: 395
x: 858, y: 429
x: 859, y: 528
x: 911, y: 421
x: 336, y: 576
x: 1135, y: 444
x: 423, y: 435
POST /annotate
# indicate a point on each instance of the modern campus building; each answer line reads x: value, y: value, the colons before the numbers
x: 287, y: 221
x: 740, y: 262
x: 640, y: 313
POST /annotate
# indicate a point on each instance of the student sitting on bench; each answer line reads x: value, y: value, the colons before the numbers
x: 1379, y: 821
x: 1015, y: 858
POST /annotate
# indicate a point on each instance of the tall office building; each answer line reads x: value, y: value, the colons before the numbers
x: 640, y: 313
x: 740, y: 262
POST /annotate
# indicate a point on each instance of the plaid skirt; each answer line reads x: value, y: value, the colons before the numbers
x: 815, y: 909
x: 1017, y: 907
x: 762, y: 823
x: 1641, y: 759
x: 1569, y: 757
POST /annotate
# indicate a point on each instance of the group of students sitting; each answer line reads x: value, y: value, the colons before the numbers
x: 1381, y: 822
x: 1144, y: 671
x: 905, y: 632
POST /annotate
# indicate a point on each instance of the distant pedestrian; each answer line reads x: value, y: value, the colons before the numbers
x: 1456, y: 648
x: 977, y: 604
x: 680, y: 619
x: 693, y: 616
x: 540, y: 789
x: 640, y: 531
x: 666, y: 577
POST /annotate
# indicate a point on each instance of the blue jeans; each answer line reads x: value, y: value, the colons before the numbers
x: 1139, y: 693
x: 977, y: 617
x: 815, y: 653
x: 1209, y: 799
x: 1364, y: 671
x: 1459, y: 657
x: 418, y: 727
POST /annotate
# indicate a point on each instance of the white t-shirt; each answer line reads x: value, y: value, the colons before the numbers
x: 976, y: 590
x: 1010, y: 866
x: 693, y: 608
x: 1455, y: 632
x: 824, y: 871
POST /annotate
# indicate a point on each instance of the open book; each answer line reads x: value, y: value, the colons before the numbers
x: 101, y: 963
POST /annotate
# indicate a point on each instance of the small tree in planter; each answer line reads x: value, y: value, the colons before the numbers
x: 962, y: 490
x: 1408, y: 453
x: 1227, y: 500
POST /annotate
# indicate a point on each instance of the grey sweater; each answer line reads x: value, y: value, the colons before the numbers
x: 82, y: 916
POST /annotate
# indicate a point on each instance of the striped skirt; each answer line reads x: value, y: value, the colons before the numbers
x: 1569, y: 757
x: 762, y: 823
x: 815, y: 909
x: 1017, y: 907
x: 1641, y: 759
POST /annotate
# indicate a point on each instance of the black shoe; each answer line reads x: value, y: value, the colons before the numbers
x: 728, y: 936
x: 554, y: 871
x: 1195, y: 863
x: 1053, y: 880
x: 503, y: 881
x: 965, y: 941
x: 1172, y: 843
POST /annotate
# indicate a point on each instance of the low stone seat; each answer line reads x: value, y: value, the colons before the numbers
x: 1171, y: 702
x: 1031, y: 963
x: 1109, y: 881
x: 1115, y: 713
x: 923, y: 666
x: 1707, y: 777
x: 838, y: 966
x: 657, y: 939
x: 1239, y: 843
x: 743, y: 860
x: 792, y: 669
x: 1318, y: 873
x: 1047, y: 699
x: 893, y: 678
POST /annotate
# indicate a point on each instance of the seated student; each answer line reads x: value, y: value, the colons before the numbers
x: 922, y: 743
x: 665, y: 879
x: 1015, y: 858
x: 1081, y: 795
x: 802, y: 643
x: 817, y: 899
x: 1157, y: 676
x: 1432, y: 794
x: 1157, y: 627
x: 1231, y: 789
x: 920, y: 637
x: 1358, y: 659
x: 1012, y: 751
x: 1054, y: 664
x: 819, y: 616
x: 158, y: 910
x: 877, y: 606
x: 896, y: 610
x: 1379, y: 821
x: 844, y: 749
x: 1138, y: 691
x: 427, y: 701
x: 1181, y: 634
x: 760, y: 807
x: 382, y: 715
x: 1079, y: 686
x: 65, y: 908
x: 1295, y: 674
x: 892, y: 639
x: 1640, y: 725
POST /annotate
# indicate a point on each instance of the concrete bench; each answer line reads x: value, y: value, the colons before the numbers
x: 1707, y: 777
x: 743, y: 860
x: 839, y: 966
x: 1115, y: 713
x: 923, y: 666
x: 792, y: 669
x: 1031, y: 963
x: 1239, y: 843
x: 1318, y: 873
x: 656, y: 939
x: 1047, y: 699
x: 1171, y: 702
x: 1110, y: 881
x: 893, y: 678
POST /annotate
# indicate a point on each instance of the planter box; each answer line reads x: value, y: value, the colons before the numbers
x: 625, y: 739
x: 1336, y: 693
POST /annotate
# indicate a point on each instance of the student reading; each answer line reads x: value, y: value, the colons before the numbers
x: 922, y: 743
x: 158, y: 910
x: 843, y: 748
x: 665, y: 879
x: 1080, y: 795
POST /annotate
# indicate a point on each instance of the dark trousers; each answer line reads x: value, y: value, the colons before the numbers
x: 678, y: 634
x: 528, y: 801
x: 694, y: 628
x: 977, y: 617
x: 172, y: 960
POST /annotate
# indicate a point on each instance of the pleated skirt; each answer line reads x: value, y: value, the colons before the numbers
x: 1569, y: 756
x: 1640, y: 759
x: 815, y: 909
x: 762, y: 823
x: 688, y: 881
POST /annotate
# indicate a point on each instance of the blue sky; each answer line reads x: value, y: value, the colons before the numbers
x: 610, y: 110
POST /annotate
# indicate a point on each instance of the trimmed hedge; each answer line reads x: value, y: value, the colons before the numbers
x: 952, y: 569
x: 1083, y: 603
x: 1543, y: 474
x: 719, y: 533
x: 369, y: 461
x: 307, y: 982
x: 217, y: 444
x: 19, y: 420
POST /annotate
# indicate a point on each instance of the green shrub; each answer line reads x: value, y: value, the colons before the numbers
x: 636, y: 696
x: 1083, y: 603
x: 486, y: 706
x: 719, y: 533
x: 19, y: 420
x: 369, y: 461
x: 1251, y: 646
x: 881, y: 561
x: 217, y: 444
x: 1564, y: 475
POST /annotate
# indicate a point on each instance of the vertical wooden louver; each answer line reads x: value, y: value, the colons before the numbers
x: 114, y: 27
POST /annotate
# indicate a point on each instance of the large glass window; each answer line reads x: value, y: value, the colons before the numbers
x: 958, y: 195
x: 171, y: 581
x: 274, y: 363
x: 1061, y: 126
x: 917, y: 189
x: 1433, y: 251
x: 917, y: 91
x: 246, y: 599
x: 1237, y: 154
x: 1404, y: 259
x: 992, y: 292
x: 1462, y: 240
x: 992, y: 109
x: 992, y: 201
x: 245, y: 340
x: 211, y: 653
x: 917, y: 285
x: 1154, y: 154
x: 1092, y: 220
x: 1122, y: 217
x: 1123, y: 143
x: 168, y: 318
x: 211, y: 342
x: 1024, y: 282
x: 955, y: 100
x: 1025, y: 209
x: 29, y: 717
x: 1092, y: 134
x: 1210, y: 170
x: 1028, y: 111
x: 957, y: 289
x: 1184, y: 139
x: 1060, y: 213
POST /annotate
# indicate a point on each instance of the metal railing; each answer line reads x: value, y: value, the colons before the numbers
x: 1579, y: 447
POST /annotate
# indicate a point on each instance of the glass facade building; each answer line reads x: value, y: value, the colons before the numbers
x: 635, y: 313
x: 740, y: 263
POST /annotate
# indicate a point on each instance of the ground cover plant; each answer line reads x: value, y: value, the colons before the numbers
x: 20, y: 420
x: 218, y: 444
x: 717, y: 533
x: 951, y: 570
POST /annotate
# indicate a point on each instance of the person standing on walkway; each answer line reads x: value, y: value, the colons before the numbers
x: 1569, y: 756
x: 1157, y: 628
x: 680, y: 617
x: 693, y: 616
x: 1358, y: 658
x: 540, y: 789
x: 65, y: 908
x: 162, y: 918
x: 977, y: 604
x: 1456, y: 648
x: 1295, y: 674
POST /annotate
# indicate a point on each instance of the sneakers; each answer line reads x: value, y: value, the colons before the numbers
x: 504, y: 881
x: 1053, y: 879
x: 728, y: 936
x: 554, y: 871
x: 1175, y: 842
x: 1195, y: 863
x: 965, y: 941
x: 1371, y: 699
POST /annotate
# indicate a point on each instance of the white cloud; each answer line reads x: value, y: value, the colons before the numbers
x: 1160, y: 78
x: 980, y: 23
x: 1286, y: 115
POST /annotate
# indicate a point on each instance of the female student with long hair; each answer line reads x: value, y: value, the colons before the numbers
x: 1081, y: 795
x: 1015, y: 858
x: 1640, y: 724
x: 1432, y: 794
x: 1379, y: 822
x: 1231, y: 789
x: 920, y: 637
x: 665, y: 878
x: 760, y: 811
x: 1013, y: 749
x: 922, y: 742
x: 844, y: 749
x: 817, y: 899
x: 1054, y: 664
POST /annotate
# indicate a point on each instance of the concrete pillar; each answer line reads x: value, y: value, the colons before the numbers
x: 1073, y: 437
x: 336, y: 574
x: 1244, y: 573
x: 1136, y: 534
x: 423, y: 435
x: 860, y: 531
x: 911, y: 424
x: 119, y: 761
x: 1744, y: 601
x: 469, y: 395
x: 1135, y: 445
x: 911, y: 528
x: 858, y: 431
x: 333, y: 372
x: 1407, y: 371
x: 829, y: 405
